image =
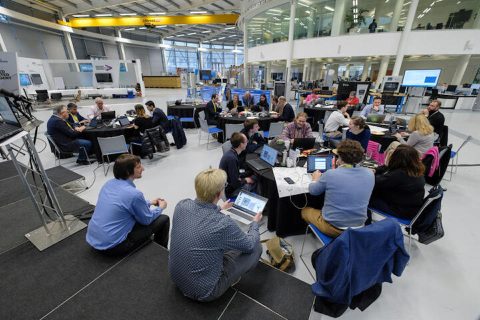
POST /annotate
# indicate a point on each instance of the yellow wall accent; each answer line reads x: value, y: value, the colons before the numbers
x: 141, y: 21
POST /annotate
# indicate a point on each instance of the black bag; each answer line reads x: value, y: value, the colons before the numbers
x: 433, y: 233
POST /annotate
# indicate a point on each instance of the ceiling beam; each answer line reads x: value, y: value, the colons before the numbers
x: 173, y: 3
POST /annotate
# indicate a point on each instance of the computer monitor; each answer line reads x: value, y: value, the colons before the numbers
x: 24, y: 79
x: 391, y: 86
x: 421, y: 78
x: 269, y: 155
x: 36, y: 78
x: 467, y: 85
x: 325, y: 88
x: 205, y: 75
x: 108, y: 115
x: 104, y: 77
x: 87, y: 67
x: 451, y: 88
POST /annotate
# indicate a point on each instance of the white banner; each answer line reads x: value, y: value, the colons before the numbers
x: 8, y: 72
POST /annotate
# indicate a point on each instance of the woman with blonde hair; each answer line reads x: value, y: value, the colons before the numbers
x: 421, y: 135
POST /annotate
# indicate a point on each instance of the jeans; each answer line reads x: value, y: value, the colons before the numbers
x: 140, y: 234
x: 84, y: 145
x: 235, y: 264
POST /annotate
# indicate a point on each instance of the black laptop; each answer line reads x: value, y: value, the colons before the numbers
x: 10, y: 125
x: 267, y: 159
x: 303, y: 143
x: 108, y: 115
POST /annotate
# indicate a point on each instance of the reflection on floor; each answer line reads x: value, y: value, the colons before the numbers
x: 442, y: 279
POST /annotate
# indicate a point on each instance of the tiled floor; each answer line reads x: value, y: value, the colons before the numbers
x: 442, y: 280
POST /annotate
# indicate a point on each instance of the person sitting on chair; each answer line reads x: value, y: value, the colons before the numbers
x: 338, y: 119
x: 250, y: 130
x: 299, y: 128
x: 399, y: 184
x: 75, y: 118
x: 435, y: 117
x: 235, y: 105
x: 347, y: 192
x: 97, y: 109
x: 262, y: 105
x: 66, y: 136
x: 358, y: 131
x: 311, y: 99
x: 142, y: 120
x: 352, y: 99
x: 230, y: 163
x: 284, y: 110
x: 375, y: 108
x: 421, y: 135
x: 213, y: 110
x: 248, y: 100
x: 158, y: 116
x: 123, y: 219
x: 208, y: 250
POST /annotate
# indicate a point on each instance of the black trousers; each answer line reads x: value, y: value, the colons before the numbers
x: 140, y: 234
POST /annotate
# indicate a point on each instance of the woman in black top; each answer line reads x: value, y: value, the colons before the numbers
x: 142, y: 121
x: 262, y: 105
x: 235, y: 105
x: 400, y: 185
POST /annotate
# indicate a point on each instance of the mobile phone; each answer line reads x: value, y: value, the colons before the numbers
x: 289, y: 180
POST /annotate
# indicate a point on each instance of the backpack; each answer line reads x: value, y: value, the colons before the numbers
x: 280, y: 253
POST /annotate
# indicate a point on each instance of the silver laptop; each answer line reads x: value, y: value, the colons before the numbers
x: 267, y: 159
x: 246, y: 206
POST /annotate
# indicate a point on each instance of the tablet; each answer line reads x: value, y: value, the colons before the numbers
x: 319, y: 162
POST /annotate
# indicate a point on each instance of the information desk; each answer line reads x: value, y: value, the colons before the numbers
x: 318, y: 113
x: 162, y: 81
x: 93, y: 133
x: 456, y: 102
x: 264, y: 122
x: 186, y: 111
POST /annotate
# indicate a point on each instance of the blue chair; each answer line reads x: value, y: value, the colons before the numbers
x: 454, y: 157
x: 324, y: 239
x: 205, y: 128
x: 429, y: 202
x: 170, y: 117
x: 188, y: 120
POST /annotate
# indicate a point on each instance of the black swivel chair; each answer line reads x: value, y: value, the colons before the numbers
x: 42, y: 95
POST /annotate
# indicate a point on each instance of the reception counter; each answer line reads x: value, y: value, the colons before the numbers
x: 456, y: 102
x: 162, y: 81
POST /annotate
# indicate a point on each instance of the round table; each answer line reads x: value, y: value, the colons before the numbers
x: 186, y: 111
x: 264, y: 122
x: 316, y: 114
x: 93, y: 133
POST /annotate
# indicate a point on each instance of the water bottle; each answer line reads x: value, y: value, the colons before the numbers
x: 284, y: 158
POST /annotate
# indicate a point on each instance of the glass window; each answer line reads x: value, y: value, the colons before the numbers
x: 434, y: 14
x: 229, y: 59
x: 313, y: 18
x: 239, y: 59
x: 269, y: 26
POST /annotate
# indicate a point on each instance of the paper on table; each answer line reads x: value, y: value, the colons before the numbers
x: 375, y: 128
x: 297, y: 174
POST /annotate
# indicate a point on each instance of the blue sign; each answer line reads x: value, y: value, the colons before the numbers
x: 123, y: 67
x: 206, y: 92
x: 255, y: 94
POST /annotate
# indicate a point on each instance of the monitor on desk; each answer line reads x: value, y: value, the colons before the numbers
x: 103, y: 77
x: 451, y: 88
x: 108, y: 115
x: 36, y: 78
x: 467, y: 85
x: 24, y: 79
x: 391, y: 86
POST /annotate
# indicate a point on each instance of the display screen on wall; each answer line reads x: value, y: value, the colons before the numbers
x: 123, y: 67
x: 24, y: 79
x: 421, y: 78
x: 205, y: 75
x: 103, y: 77
x: 36, y: 78
x: 85, y: 67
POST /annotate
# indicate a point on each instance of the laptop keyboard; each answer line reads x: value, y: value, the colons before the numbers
x: 258, y: 164
x: 7, y: 130
x: 240, y: 213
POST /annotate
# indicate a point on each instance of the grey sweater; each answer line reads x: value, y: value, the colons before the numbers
x: 420, y: 142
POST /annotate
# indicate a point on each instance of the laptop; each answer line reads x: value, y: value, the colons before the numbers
x: 10, y: 125
x: 319, y: 162
x: 376, y: 118
x: 267, y: 159
x: 303, y: 143
x: 93, y: 123
x: 123, y: 121
x: 246, y: 206
x: 108, y: 115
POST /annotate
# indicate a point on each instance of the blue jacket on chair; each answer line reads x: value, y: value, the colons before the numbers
x: 358, y: 259
x: 63, y: 135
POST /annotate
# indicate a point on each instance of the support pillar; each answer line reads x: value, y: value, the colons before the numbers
x: 382, y: 71
x: 246, y: 80
x: 3, y: 47
x: 338, y: 17
x: 460, y: 71
x: 306, y: 68
x: 404, y: 38
x: 291, y: 29
x: 68, y: 45
x: 347, y: 72
x: 396, y: 15
x: 366, y: 66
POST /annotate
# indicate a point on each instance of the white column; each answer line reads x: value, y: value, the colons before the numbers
x: 476, y: 23
x: 306, y: 68
x: 396, y: 15
x: 338, y: 17
x: 288, y: 85
x: 366, y: 66
x: 246, y: 80
x: 347, y: 71
x: 404, y: 37
x: 200, y: 57
x: 235, y: 60
x: 268, y: 72
x: 68, y: 44
x: 138, y: 74
x: 460, y: 71
x: 3, y: 47
x: 382, y: 71
x: 121, y: 49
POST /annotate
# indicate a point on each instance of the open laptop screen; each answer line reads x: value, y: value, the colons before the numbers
x: 250, y: 203
x: 6, y: 112
x: 269, y: 155
x: 322, y: 163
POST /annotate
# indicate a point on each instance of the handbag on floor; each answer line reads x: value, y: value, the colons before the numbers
x: 280, y: 253
x: 433, y: 233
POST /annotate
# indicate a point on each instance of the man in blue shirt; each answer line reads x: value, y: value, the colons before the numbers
x: 208, y: 250
x: 375, y: 108
x: 347, y: 192
x: 158, y: 116
x: 123, y: 219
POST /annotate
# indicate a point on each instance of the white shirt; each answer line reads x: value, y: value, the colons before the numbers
x: 95, y: 111
x: 336, y: 120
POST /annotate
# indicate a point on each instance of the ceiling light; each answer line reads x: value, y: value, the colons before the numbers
x: 202, y: 49
x: 156, y: 13
x: 221, y: 38
x: 143, y: 28
x: 81, y: 15
x: 191, y: 34
x: 329, y: 8
x: 234, y: 35
x: 168, y: 37
x: 286, y: 18
x: 229, y: 28
x: 198, y: 12
x: 128, y: 14
x: 213, y: 39
x: 306, y: 11
x: 180, y: 35
x: 236, y: 51
x: 103, y: 15
x: 303, y: 4
x: 160, y: 27
x: 207, y: 31
x: 129, y: 29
